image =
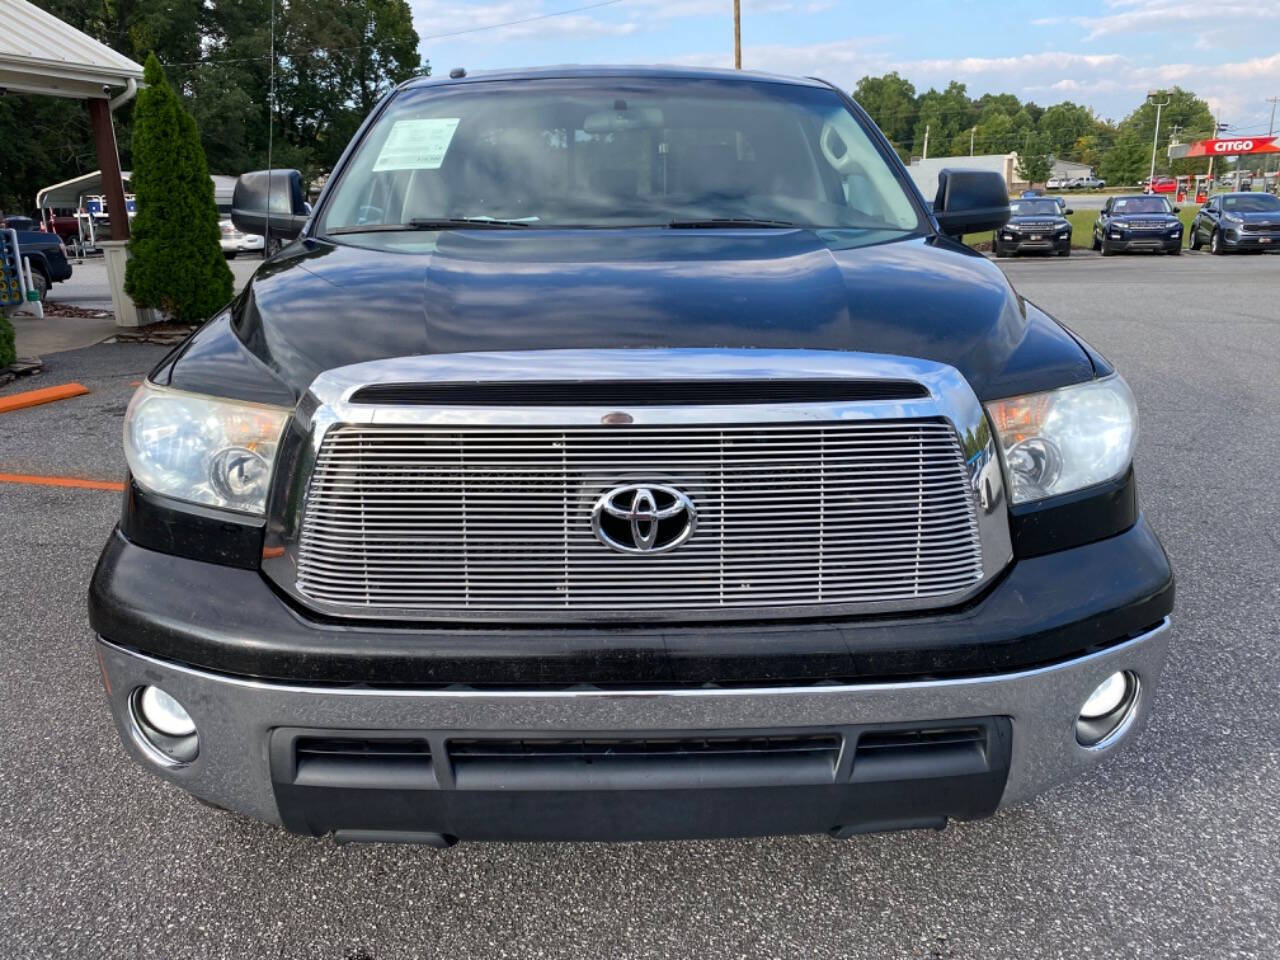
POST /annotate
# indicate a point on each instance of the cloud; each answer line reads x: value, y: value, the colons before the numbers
x: 503, y: 20
x: 1112, y: 83
x: 507, y: 20
x: 1051, y: 60
x: 1151, y: 16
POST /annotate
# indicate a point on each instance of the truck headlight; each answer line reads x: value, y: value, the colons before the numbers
x: 1063, y: 440
x: 202, y: 449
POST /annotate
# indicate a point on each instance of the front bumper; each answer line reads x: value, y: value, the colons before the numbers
x: 249, y: 730
x: 1250, y: 240
x: 1024, y: 244
x: 1148, y: 243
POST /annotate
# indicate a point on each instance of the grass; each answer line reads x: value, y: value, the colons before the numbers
x: 1082, y: 228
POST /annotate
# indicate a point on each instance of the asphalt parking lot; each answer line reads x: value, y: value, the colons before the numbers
x: 1170, y: 850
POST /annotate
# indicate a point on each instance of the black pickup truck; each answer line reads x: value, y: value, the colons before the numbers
x: 625, y: 453
x: 48, y: 256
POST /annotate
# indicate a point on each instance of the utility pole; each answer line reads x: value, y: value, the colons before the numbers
x: 971, y: 135
x: 1217, y: 132
x: 926, y: 142
x: 1271, y: 132
x: 1160, y: 104
x: 737, y: 34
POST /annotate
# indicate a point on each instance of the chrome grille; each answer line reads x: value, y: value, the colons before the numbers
x: 498, y: 519
x: 1149, y: 225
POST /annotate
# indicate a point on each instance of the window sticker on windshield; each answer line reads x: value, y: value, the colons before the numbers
x: 416, y: 144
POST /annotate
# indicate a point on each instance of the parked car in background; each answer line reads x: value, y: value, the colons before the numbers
x: 1035, y: 226
x: 1090, y: 183
x: 627, y: 453
x: 234, y: 242
x: 1162, y: 185
x: 62, y: 222
x: 1056, y: 183
x: 1236, y: 222
x: 1128, y: 224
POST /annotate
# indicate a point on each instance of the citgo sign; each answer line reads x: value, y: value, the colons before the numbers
x: 1235, y: 147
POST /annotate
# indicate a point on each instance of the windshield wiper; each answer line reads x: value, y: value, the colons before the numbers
x: 433, y: 223
x: 715, y: 223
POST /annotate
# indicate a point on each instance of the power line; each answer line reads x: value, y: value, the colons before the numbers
x: 434, y: 36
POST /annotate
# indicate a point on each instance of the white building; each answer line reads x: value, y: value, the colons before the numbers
x: 1069, y: 169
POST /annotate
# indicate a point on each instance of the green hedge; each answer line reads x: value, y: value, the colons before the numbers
x: 8, y: 348
x: 177, y: 263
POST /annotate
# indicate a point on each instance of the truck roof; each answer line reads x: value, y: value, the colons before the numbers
x: 566, y: 71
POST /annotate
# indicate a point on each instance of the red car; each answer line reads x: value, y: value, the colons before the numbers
x: 1163, y: 185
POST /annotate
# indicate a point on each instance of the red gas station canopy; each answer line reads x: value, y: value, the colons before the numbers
x: 1234, y: 146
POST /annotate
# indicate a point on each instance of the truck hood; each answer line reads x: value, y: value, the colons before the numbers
x: 321, y: 306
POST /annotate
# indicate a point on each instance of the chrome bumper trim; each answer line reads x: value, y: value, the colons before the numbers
x: 234, y: 716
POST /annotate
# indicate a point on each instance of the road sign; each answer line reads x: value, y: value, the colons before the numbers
x: 1231, y: 147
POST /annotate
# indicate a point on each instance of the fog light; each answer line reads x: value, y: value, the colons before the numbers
x: 1108, y: 695
x: 162, y: 727
x: 165, y: 713
x: 1108, y: 710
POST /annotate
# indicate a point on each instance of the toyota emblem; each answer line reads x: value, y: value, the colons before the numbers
x: 643, y: 518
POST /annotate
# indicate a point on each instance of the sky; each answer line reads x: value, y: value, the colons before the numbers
x: 1105, y: 54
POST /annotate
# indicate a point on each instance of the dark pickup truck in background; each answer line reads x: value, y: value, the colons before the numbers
x: 627, y: 453
x: 47, y: 253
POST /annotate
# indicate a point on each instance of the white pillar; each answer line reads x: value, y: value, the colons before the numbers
x: 116, y: 253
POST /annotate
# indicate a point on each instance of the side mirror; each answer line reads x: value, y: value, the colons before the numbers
x: 971, y: 201
x: 1067, y: 212
x: 269, y: 201
x: 1176, y: 209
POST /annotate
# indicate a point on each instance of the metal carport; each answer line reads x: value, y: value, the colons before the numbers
x: 40, y: 54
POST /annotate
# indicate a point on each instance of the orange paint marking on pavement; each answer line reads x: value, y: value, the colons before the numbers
x: 32, y: 398
x: 75, y: 482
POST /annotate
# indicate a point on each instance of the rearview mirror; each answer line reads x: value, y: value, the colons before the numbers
x: 971, y: 201
x: 269, y: 201
x: 623, y: 118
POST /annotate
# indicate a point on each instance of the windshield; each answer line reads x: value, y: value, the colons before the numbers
x: 1259, y: 203
x: 615, y: 152
x: 1034, y: 208
x: 1142, y: 205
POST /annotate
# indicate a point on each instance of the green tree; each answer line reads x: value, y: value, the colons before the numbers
x: 1184, y: 111
x: 177, y: 264
x: 345, y: 54
x: 943, y: 113
x: 1064, y: 124
x: 995, y: 133
x: 1034, y: 162
x: 891, y: 102
x: 990, y: 104
x: 1127, y: 160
